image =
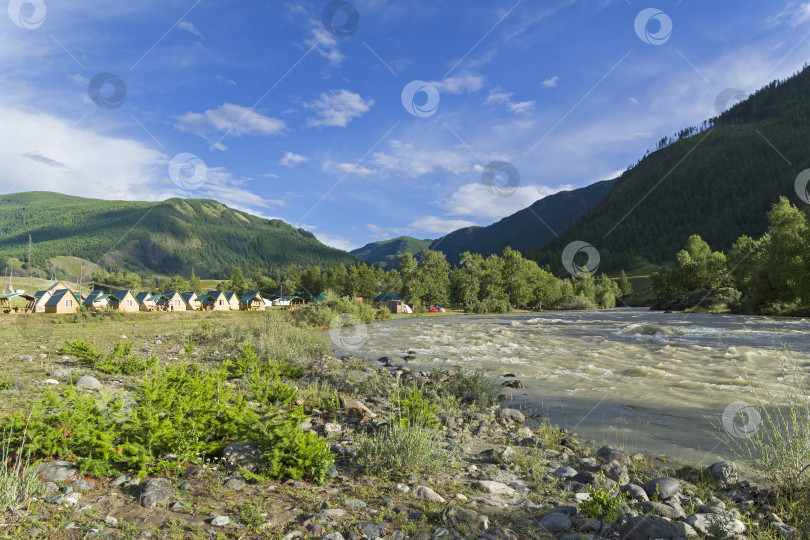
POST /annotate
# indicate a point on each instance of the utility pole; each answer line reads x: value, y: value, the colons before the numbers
x: 81, y: 271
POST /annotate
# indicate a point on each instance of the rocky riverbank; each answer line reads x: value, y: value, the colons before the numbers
x: 510, y: 476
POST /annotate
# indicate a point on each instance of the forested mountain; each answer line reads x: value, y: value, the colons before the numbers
x: 524, y: 230
x: 717, y: 181
x: 385, y: 253
x: 166, y: 237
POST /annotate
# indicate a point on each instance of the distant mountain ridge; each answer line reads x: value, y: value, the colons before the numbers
x: 718, y: 181
x: 385, y: 253
x: 528, y: 229
x: 168, y: 237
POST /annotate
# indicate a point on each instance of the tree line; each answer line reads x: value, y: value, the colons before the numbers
x: 766, y: 275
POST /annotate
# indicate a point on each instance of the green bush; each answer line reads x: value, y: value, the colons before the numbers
x: 402, y: 450
x: 177, y: 414
x: 473, y: 387
x: 490, y: 305
x: 121, y: 361
x: 415, y: 409
x: 603, y: 505
x: 321, y: 314
x: 572, y: 302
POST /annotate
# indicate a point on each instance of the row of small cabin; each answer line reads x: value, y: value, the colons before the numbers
x: 61, y: 299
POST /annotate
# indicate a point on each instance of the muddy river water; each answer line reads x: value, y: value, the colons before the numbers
x: 649, y: 381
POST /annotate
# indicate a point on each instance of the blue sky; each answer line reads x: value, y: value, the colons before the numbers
x: 285, y: 117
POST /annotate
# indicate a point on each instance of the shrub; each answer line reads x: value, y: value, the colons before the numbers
x: 572, y: 302
x: 402, y: 450
x: 18, y: 482
x: 85, y: 352
x: 602, y: 504
x: 415, y: 409
x: 473, y: 387
x: 490, y: 305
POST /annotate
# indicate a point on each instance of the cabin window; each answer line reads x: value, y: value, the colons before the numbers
x: 222, y: 302
x: 129, y: 303
x: 68, y: 303
x: 177, y: 302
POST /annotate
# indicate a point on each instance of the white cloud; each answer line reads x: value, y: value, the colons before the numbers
x: 336, y: 241
x: 633, y: 101
x: 325, y: 43
x: 460, y: 84
x: 378, y: 230
x: 230, y: 119
x: 793, y: 14
x: 437, y: 225
x: 338, y: 108
x: 223, y: 80
x: 291, y: 159
x: 498, y: 96
x: 475, y: 200
x: 551, y: 83
x: 349, y: 168
x: 404, y: 159
x: 45, y: 153
x: 190, y: 28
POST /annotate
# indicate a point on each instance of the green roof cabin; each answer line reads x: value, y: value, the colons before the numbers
x: 193, y: 302
x: 146, y: 301
x: 62, y: 301
x: 216, y: 301
x: 123, y: 300
x: 96, y: 300
x: 252, y: 301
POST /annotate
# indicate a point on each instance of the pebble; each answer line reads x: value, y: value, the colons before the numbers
x: 88, y: 382
x: 109, y: 520
x: 354, y: 503
x: 220, y: 521
x: 425, y: 492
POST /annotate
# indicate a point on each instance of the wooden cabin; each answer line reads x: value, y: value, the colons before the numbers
x: 146, y: 301
x: 96, y: 300
x: 216, y: 301
x: 380, y: 301
x: 62, y: 301
x: 171, y: 301
x: 123, y: 300
x: 252, y: 301
x: 289, y: 302
x: 233, y: 300
x: 193, y: 302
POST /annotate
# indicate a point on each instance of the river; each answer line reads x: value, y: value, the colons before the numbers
x: 649, y: 381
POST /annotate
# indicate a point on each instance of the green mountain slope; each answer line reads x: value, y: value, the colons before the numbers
x: 164, y: 238
x: 717, y: 181
x: 525, y: 230
x: 385, y: 253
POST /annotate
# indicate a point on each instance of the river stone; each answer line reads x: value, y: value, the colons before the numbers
x: 498, y: 533
x: 245, y: 455
x: 662, y: 488
x: 57, y: 471
x: 88, y: 382
x: 220, y: 521
x: 612, y: 454
x: 82, y: 485
x: 494, y: 488
x: 331, y: 430
x: 645, y: 527
x: 511, y: 415
x: 785, y: 531
x: 454, y: 516
x: 565, y: 472
x: 704, y: 523
x: 372, y: 530
x: 333, y: 536
x: 235, y: 484
x: 62, y: 372
x: 555, y: 522
x: 659, y: 509
x: 725, y: 473
x: 354, y: 503
x: 635, y: 492
x: 156, y: 492
x: 425, y: 492
x: 616, y: 472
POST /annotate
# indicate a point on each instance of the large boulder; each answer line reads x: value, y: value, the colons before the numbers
x: 425, y: 492
x: 156, y: 492
x: 710, y: 524
x: 245, y: 455
x: 454, y: 516
x: 555, y: 522
x: 645, y: 527
x: 57, y: 471
x: 88, y: 383
x: 511, y: 415
x: 663, y: 488
x: 725, y: 473
x: 613, y: 455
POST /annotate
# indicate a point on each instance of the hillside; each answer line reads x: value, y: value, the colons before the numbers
x: 385, y: 253
x: 717, y: 181
x: 525, y: 230
x: 166, y: 237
